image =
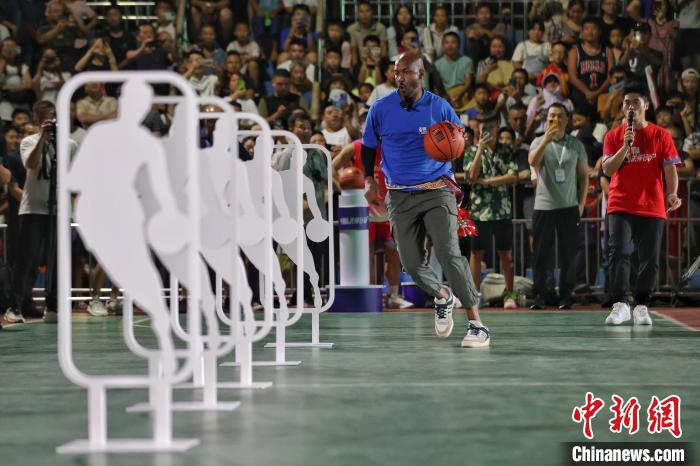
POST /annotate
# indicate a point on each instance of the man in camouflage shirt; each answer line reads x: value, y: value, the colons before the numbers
x: 490, y: 168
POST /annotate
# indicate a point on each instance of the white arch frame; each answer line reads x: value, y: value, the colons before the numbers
x: 96, y: 386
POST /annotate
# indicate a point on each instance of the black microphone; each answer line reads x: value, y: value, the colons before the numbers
x: 630, y: 120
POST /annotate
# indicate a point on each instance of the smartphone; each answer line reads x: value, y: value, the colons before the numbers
x: 638, y: 36
x: 375, y: 51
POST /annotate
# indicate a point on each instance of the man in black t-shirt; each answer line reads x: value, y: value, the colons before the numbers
x: 62, y: 35
x: 638, y: 55
x: 277, y: 108
x: 149, y: 56
x: 610, y: 20
x: 120, y: 41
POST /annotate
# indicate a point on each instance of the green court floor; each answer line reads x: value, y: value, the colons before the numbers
x: 388, y: 393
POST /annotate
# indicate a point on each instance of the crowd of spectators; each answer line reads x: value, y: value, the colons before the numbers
x: 264, y: 57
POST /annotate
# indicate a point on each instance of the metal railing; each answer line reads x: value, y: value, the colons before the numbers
x: 134, y: 11
x: 513, y: 13
x: 672, y: 264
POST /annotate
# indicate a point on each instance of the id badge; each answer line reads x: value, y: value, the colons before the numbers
x: 559, y: 175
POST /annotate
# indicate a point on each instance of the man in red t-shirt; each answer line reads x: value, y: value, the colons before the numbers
x: 379, y: 232
x: 638, y: 159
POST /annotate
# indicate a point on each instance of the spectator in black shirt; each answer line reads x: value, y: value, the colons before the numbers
x: 119, y: 40
x: 277, y: 108
x: 62, y: 34
x: 150, y: 55
x: 13, y: 163
x: 610, y: 20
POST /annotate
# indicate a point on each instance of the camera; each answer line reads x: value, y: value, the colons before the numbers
x: 51, y: 129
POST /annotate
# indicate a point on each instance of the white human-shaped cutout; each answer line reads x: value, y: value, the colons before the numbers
x: 216, y: 164
x: 103, y: 173
x: 177, y: 261
x: 251, y: 239
x: 317, y: 227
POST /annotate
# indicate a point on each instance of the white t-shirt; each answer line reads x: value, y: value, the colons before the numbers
x: 35, y: 196
x: 309, y: 3
x: 78, y: 135
x: 4, y: 32
x: 13, y: 75
x: 533, y: 56
x: 169, y: 28
x: 379, y: 92
x: 599, y: 132
x: 251, y: 49
x: 689, y: 16
x: 310, y: 69
x: 339, y: 138
x: 51, y: 83
x: 206, y: 85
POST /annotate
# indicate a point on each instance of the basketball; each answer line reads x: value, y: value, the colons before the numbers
x: 444, y: 142
x: 351, y: 178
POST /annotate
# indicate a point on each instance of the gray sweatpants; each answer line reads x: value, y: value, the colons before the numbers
x: 431, y: 212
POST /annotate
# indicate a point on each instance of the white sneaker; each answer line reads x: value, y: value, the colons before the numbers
x: 510, y: 303
x: 114, y: 306
x: 458, y: 303
x: 50, y: 317
x: 478, y: 335
x: 14, y: 317
x: 620, y: 313
x: 397, y: 302
x: 97, y: 309
x: 641, y: 315
x: 443, y: 316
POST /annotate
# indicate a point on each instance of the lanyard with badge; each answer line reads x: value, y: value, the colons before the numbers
x: 559, y: 173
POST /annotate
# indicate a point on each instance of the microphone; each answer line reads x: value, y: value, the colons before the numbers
x: 630, y: 121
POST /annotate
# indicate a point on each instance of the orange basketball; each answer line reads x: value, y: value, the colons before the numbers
x: 444, y: 141
x: 351, y: 178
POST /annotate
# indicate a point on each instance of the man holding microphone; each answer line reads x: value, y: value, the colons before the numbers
x: 638, y: 156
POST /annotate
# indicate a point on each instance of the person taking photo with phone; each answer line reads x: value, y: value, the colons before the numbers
x: 561, y: 164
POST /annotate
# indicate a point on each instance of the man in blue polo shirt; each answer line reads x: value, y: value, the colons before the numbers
x: 419, y: 200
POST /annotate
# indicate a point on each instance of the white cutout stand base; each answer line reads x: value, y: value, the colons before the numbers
x: 127, y: 446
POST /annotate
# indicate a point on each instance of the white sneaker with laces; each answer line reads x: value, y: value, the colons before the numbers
x: 97, y: 309
x: 50, y: 317
x: 641, y: 315
x: 443, y: 316
x: 397, y: 302
x: 14, y: 317
x: 620, y: 313
x: 113, y: 305
x: 478, y: 335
